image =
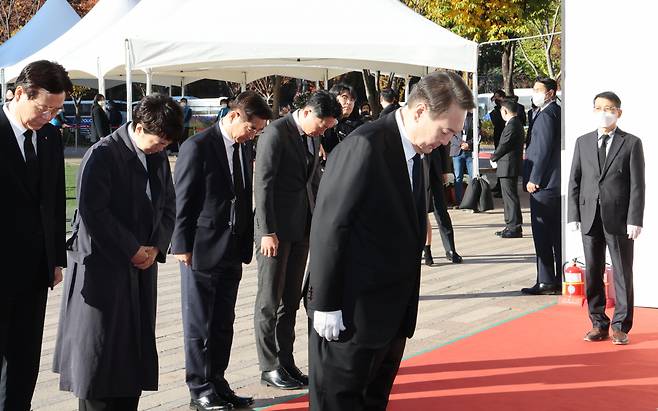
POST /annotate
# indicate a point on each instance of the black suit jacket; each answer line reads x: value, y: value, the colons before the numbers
x: 543, y: 161
x: 100, y: 123
x: 204, y: 194
x: 366, y: 238
x: 498, y: 124
x: 509, y: 153
x: 33, y: 221
x: 284, y: 182
x: 389, y: 109
x: 619, y: 189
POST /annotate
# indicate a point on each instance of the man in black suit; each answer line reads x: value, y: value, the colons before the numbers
x: 34, y: 211
x: 542, y: 180
x: 606, y: 202
x: 496, y: 117
x: 287, y: 160
x: 366, y: 243
x: 106, y: 353
x: 213, y: 236
x: 389, y: 101
x: 532, y: 113
x: 508, y: 159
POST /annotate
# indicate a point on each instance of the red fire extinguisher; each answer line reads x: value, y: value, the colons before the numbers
x: 573, y: 283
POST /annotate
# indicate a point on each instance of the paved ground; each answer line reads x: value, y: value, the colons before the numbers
x: 456, y: 301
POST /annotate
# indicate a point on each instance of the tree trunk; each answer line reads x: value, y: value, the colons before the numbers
x: 276, y: 98
x: 371, y: 92
x: 508, y: 67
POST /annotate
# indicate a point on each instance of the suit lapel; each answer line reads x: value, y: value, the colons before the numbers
x: 16, y: 162
x: 217, y: 141
x: 396, y: 158
x: 294, y: 140
x: 615, y: 146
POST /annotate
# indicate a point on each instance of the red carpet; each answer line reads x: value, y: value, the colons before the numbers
x: 536, y: 362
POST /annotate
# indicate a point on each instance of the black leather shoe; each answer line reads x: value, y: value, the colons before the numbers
x: 499, y: 233
x: 511, y: 234
x: 296, y: 373
x: 235, y: 400
x: 210, y: 403
x: 427, y: 255
x: 542, y: 289
x: 280, y: 379
x: 453, y: 257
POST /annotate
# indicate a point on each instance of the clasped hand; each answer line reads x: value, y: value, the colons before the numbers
x: 144, y: 257
x: 328, y: 324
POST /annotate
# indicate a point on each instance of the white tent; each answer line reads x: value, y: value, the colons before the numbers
x: 53, y: 18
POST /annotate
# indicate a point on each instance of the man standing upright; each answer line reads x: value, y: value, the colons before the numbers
x: 286, y: 162
x: 508, y: 158
x: 606, y: 202
x: 542, y: 177
x: 34, y: 208
x: 389, y: 101
x: 366, y: 243
x: 213, y: 236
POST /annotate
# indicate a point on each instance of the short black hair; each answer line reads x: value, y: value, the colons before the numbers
x: 324, y: 104
x: 339, y: 88
x: 439, y: 90
x: 389, y: 96
x: 499, y: 93
x: 159, y: 115
x: 183, y: 99
x: 509, y: 103
x: 365, y: 104
x: 609, y: 95
x: 252, y: 104
x: 44, y: 74
x: 98, y: 97
x: 548, y: 82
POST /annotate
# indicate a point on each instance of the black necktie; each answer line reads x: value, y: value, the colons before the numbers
x: 308, y: 157
x: 419, y: 190
x: 32, y: 162
x: 238, y: 188
x: 602, y: 153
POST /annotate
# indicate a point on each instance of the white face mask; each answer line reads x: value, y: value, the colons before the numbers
x: 604, y: 120
x: 539, y: 99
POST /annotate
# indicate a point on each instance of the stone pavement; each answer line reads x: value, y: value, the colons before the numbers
x: 456, y: 300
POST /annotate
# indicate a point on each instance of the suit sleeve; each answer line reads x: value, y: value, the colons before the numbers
x: 506, y: 143
x: 542, y: 149
x: 189, y: 192
x: 107, y: 231
x: 573, y: 200
x: 637, y: 187
x: 347, y: 171
x: 268, y: 157
x: 164, y: 231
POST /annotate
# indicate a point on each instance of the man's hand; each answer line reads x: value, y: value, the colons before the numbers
x: 446, y: 178
x: 323, y: 154
x: 493, y: 164
x: 464, y: 146
x: 144, y: 257
x: 185, y: 258
x: 532, y: 187
x: 574, y: 226
x: 57, y: 276
x: 329, y: 324
x: 633, y: 231
x: 269, y: 245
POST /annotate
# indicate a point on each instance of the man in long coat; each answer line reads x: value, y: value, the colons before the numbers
x: 105, y: 352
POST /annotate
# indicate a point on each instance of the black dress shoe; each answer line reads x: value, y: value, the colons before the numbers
x: 542, y: 289
x: 280, y: 379
x: 210, y: 403
x: 511, y: 234
x: 427, y: 255
x: 296, y: 373
x: 235, y: 400
x: 453, y: 257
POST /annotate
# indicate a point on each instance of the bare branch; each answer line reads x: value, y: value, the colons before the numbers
x: 527, y: 59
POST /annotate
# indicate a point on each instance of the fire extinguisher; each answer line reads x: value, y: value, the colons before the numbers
x: 573, y: 282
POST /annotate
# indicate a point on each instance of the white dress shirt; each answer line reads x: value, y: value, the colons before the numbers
x: 600, y: 140
x: 409, y: 151
x: 228, y: 146
x: 309, y: 143
x: 142, y: 158
x: 18, y: 129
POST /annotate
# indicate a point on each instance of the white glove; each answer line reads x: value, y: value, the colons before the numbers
x: 493, y: 164
x: 633, y: 231
x: 328, y: 324
x: 574, y: 226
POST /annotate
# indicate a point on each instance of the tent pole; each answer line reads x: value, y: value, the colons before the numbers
x: 4, y: 84
x: 182, y: 86
x: 317, y: 84
x: 406, y: 89
x: 326, y: 79
x: 149, y: 80
x: 101, y: 79
x: 476, y: 117
x: 243, y: 85
x: 129, y: 84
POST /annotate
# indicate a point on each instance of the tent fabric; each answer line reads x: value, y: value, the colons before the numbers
x: 53, y: 19
x: 95, y: 23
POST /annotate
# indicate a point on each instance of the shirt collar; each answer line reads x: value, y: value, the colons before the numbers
x: 131, y: 134
x: 228, y: 142
x: 611, y: 134
x: 409, y: 151
x: 295, y: 116
x: 15, y: 124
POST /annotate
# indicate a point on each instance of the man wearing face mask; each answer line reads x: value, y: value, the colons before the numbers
x: 287, y: 160
x: 367, y: 235
x: 213, y: 236
x: 542, y: 180
x: 606, y: 203
x: 498, y: 126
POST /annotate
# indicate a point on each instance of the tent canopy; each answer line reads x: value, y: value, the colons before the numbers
x: 53, y: 19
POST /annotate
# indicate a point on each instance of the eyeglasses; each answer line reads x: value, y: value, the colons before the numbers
x: 47, y: 111
x: 607, y: 109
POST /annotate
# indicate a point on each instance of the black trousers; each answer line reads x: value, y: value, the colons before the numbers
x: 22, y: 313
x: 441, y: 214
x: 547, y: 236
x: 208, y: 299
x: 347, y: 376
x: 277, y: 301
x: 109, y: 404
x: 511, y: 203
x: 621, y: 254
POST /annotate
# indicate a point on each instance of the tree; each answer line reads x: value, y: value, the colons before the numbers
x: 542, y: 55
x: 76, y: 96
x: 270, y: 89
